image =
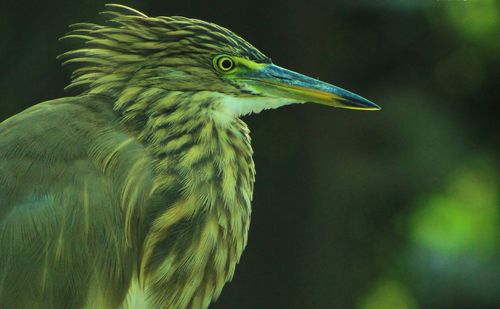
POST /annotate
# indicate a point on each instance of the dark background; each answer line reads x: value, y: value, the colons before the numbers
x: 390, y: 209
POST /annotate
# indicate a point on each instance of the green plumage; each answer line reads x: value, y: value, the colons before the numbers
x: 136, y: 192
x: 130, y: 194
x: 92, y: 214
x: 62, y: 225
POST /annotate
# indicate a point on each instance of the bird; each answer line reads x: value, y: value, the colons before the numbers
x: 135, y: 191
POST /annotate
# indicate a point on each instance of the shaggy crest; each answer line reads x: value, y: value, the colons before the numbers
x: 132, y: 46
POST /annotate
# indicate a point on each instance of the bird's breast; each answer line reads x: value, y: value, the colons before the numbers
x: 199, y: 231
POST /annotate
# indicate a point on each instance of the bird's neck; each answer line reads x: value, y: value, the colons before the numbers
x: 203, y: 185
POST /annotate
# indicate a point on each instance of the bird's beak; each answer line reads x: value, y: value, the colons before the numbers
x: 276, y: 81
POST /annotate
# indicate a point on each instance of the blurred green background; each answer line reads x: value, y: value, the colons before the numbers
x: 392, y: 209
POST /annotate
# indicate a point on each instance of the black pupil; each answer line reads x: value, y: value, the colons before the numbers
x: 226, y: 64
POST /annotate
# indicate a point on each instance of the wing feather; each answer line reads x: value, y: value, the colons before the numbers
x: 73, y: 183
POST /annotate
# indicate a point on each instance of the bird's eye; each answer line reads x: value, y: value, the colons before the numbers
x: 224, y: 63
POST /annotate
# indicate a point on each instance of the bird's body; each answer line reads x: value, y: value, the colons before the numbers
x: 184, y: 202
x: 136, y: 192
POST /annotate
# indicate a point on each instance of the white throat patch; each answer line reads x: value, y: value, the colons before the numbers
x: 251, y: 105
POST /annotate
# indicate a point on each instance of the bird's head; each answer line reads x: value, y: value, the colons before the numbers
x: 135, y: 56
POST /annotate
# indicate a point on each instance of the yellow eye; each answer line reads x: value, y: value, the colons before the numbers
x: 224, y: 63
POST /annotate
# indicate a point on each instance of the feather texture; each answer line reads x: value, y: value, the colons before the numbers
x: 134, y: 193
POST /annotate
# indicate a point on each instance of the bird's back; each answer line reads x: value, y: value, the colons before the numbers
x: 64, y: 235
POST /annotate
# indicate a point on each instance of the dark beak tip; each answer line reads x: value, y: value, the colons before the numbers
x: 376, y: 107
x: 357, y: 102
x: 368, y: 104
x: 362, y: 104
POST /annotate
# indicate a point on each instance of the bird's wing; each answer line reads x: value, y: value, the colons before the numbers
x: 71, y: 183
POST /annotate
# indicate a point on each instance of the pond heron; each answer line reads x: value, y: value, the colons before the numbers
x: 136, y: 191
